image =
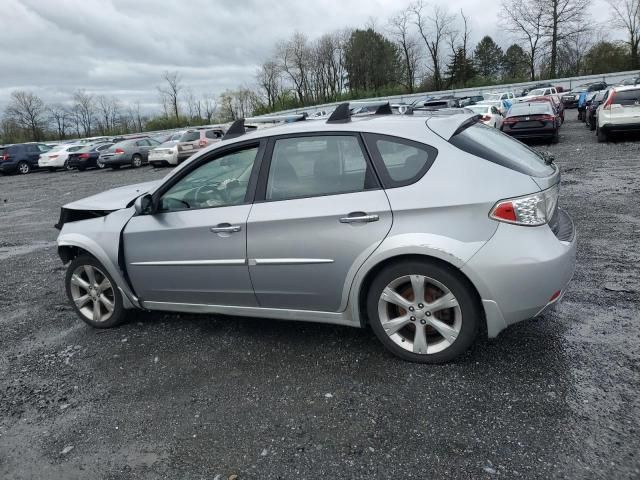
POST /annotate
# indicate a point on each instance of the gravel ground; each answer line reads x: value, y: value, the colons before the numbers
x: 209, y: 397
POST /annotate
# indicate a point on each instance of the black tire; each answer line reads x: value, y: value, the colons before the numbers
x: 100, y: 165
x: 24, y: 168
x: 592, y: 125
x: 136, y: 161
x: 119, y: 313
x: 602, y: 136
x: 447, y: 276
x: 556, y: 137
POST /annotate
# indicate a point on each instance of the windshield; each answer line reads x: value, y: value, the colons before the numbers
x: 479, y: 108
x: 536, y: 108
x: 190, y: 136
x: 537, y: 91
x: 493, y: 145
x: 492, y: 96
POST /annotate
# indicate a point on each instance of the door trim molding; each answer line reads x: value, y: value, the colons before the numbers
x: 232, y: 261
x: 288, y: 261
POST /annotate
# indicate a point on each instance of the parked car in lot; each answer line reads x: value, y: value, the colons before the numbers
x: 552, y: 100
x: 166, y: 153
x: 592, y: 108
x: 619, y: 113
x: 57, y: 157
x: 21, y: 157
x: 129, y: 152
x: 294, y: 222
x: 490, y: 115
x: 526, y: 90
x: 570, y: 99
x: 534, y: 120
x: 88, y: 156
x: 195, y: 140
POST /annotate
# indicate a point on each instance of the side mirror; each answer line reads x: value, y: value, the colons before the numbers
x: 144, y: 204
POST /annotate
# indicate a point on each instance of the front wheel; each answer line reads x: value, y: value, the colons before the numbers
x: 93, y: 293
x: 423, y: 312
x: 100, y: 165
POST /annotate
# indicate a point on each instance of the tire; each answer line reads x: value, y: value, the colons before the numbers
x: 24, y: 168
x: 100, y: 165
x: 136, y: 161
x: 67, y: 166
x: 76, y: 293
x: 556, y: 137
x: 463, y: 320
x: 602, y: 136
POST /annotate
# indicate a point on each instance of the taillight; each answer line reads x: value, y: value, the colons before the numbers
x: 202, y: 143
x: 531, y: 210
x: 548, y: 118
x: 119, y: 151
x: 510, y: 120
x: 609, y: 101
x: 84, y: 156
x: 5, y: 157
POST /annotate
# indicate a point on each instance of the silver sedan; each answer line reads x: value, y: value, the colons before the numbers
x: 431, y: 231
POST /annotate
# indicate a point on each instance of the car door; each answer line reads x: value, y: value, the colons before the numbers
x: 319, y: 213
x: 33, y: 154
x: 192, y: 248
x: 144, y: 146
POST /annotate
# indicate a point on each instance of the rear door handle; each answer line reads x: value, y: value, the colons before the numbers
x: 226, y: 228
x: 359, y: 217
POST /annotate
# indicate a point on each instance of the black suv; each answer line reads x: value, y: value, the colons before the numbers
x: 570, y: 99
x: 22, y: 157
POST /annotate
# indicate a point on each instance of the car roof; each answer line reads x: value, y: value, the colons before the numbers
x: 623, y: 88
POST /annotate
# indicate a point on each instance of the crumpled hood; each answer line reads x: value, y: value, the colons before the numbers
x: 113, y: 199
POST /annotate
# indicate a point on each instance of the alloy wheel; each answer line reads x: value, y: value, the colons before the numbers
x: 92, y: 293
x: 420, y: 314
x: 23, y: 168
x: 99, y: 164
x: 136, y: 162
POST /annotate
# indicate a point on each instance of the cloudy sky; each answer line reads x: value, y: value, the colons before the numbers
x: 121, y: 47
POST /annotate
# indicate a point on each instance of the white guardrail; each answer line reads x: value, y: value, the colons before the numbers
x: 566, y: 83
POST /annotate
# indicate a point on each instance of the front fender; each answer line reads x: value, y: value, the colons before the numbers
x: 100, y: 237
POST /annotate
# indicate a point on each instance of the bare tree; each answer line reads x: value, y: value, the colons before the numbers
x: 209, y: 107
x: 85, y: 110
x: 563, y: 19
x: 459, y: 45
x: 107, y: 108
x: 626, y: 16
x: 399, y: 28
x: 269, y: 78
x: 294, y: 56
x: 433, y: 29
x: 59, y: 117
x: 526, y: 19
x: 27, y: 110
x: 170, y: 92
x: 193, y: 105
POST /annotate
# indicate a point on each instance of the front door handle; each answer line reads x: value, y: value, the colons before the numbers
x: 359, y: 217
x: 226, y: 228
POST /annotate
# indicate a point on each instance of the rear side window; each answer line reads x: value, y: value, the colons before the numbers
x: 316, y: 166
x: 499, y: 148
x: 190, y: 137
x: 212, y: 134
x: 627, y: 97
x: 399, y: 162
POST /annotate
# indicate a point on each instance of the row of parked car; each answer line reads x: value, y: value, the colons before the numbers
x: 104, y: 152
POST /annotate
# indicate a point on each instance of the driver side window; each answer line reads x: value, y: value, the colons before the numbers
x: 220, y: 182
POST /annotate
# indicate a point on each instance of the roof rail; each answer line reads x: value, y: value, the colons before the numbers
x: 342, y: 114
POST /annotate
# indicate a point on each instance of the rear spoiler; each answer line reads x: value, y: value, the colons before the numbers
x: 447, y: 127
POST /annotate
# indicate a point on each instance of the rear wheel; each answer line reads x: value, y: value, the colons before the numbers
x: 100, y: 165
x: 24, y: 168
x: 136, y: 161
x: 93, y: 294
x: 602, y: 136
x: 423, y: 312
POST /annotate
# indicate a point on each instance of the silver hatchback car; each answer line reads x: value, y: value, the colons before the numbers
x: 432, y: 231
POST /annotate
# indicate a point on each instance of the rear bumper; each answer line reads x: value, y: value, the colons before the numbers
x: 119, y: 160
x: 531, y: 133
x: 8, y: 167
x: 520, y: 271
x: 616, y: 127
x: 570, y: 103
x: 170, y: 158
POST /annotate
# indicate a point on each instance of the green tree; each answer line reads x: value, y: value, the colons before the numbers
x: 372, y: 61
x: 606, y: 57
x: 515, y: 65
x: 459, y: 70
x: 488, y: 58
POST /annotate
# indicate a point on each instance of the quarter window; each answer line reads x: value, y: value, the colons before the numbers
x: 219, y: 183
x: 400, y: 162
x: 314, y: 166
